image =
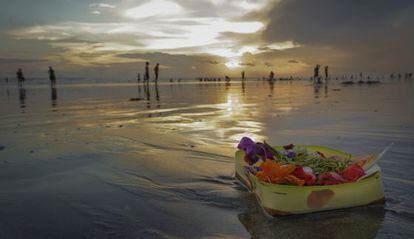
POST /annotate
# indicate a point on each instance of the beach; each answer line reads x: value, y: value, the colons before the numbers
x: 120, y: 160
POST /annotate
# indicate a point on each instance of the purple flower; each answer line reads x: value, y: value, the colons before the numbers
x: 264, y: 151
x: 247, y: 145
x: 290, y: 154
x: 251, y: 158
x: 254, y: 151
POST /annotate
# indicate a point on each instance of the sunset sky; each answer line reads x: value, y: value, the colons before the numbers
x: 113, y: 38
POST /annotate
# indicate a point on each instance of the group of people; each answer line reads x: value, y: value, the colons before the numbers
x: 407, y: 75
x: 147, y: 75
x: 317, y: 78
x: 316, y: 75
x: 21, y: 79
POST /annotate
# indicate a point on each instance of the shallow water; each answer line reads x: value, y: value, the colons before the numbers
x: 86, y: 162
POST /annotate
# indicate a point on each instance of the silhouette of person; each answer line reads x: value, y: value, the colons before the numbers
x: 52, y: 76
x: 243, y: 75
x: 326, y: 72
x: 20, y: 77
x: 316, y: 71
x: 156, y: 71
x: 146, y: 77
x: 139, y: 77
x: 271, y: 76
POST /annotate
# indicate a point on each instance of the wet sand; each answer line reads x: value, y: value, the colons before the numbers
x: 84, y: 161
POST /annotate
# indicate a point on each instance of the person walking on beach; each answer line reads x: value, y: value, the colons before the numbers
x: 156, y: 71
x: 326, y: 73
x: 316, y: 73
x: 139, y: 77
x: 146, y: 76
x: 271, y: 76
x: 243, y: 75
x: 52, y: 76
x: 20, y: 77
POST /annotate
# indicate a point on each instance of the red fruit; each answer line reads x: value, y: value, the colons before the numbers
x: 353, y: 173
x: 330, y: 178
x: 309, y: 178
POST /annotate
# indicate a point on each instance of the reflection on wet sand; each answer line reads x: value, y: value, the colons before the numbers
x: 157, y: 95
x: 53, y: 95
x: 178, y: 155
x: 271, y: 87
x: 22, y: 97
x: 361, y: 222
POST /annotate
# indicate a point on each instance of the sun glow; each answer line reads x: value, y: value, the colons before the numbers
x: 232, y: 64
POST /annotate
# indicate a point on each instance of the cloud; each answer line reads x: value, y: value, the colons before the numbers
x: 366, y: 33
x: 200, y: 36
x: 262, y: 35
x: 102, y: 5
x: 247, y: 64
x: 158, y: 8
x: 213, y: 62
x: 96, y: 12
x: 15, y: 61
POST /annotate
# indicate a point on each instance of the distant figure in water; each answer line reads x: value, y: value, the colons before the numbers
x: 243, y: 75
x: 156, y: 71
x: 7, y: 80
x: 52, y: 76
x: 139, y: 77
x: 326, y: 73
x: 227, y: 78
x: 271, y: 76
x: 316, y: 73
x: 20, y: 77
x: 146, y: 76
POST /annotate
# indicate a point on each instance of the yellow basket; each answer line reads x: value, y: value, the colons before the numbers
x: 277, y: 199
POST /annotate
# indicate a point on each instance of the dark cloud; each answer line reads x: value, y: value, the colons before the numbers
x: 374, y: 35
x: 333, y: 21
x: 213, y: 62
x: 247, y: 64
x: 15, y: 61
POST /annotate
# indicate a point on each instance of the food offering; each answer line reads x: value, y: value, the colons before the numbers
x: 295, y: 179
